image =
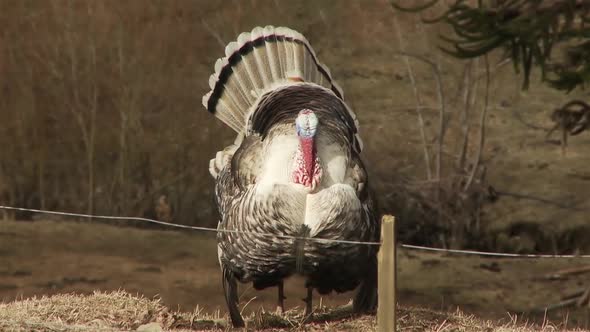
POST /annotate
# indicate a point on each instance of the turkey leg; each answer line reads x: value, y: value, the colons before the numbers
x: 307, y: 300
x: 281, y: 299
x: 230, y: 289
x: 366, y: 296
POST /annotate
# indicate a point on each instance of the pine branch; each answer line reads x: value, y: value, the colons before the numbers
x: 528, y: 30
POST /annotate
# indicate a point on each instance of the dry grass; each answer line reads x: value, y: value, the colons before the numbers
x: 120, y: 311
x: 51, y: 258
x: 111, y: 311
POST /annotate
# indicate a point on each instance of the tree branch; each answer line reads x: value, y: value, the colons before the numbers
x: 482, y: 127
x: 418, y: 99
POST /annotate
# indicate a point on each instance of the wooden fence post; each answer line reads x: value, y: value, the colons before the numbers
x: 386, y: 319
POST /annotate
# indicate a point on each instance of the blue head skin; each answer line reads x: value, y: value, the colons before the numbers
x: 306, y: 124
x: 308, y: 171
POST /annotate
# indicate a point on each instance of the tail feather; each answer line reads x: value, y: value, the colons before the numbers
x: 226, y: 114
x: 272, y: 53
x: 260, y: 61
x: 223, y: 157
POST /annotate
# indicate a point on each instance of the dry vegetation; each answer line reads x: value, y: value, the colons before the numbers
x: 101, y: 112
x: 49, y: 258
x: 99, y: 106
x: 120, y: 311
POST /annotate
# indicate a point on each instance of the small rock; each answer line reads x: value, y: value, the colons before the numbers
x: 150, y: 327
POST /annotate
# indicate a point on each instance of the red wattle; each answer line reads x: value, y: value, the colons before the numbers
x: 308, y: 152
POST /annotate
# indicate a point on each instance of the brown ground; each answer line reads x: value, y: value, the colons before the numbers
x: 120, y: 311
x: 47, y: 257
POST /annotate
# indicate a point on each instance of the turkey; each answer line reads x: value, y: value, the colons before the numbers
x: 292, y: 177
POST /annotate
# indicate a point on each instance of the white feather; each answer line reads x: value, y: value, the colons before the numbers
x: 219, y: 62
x: 278, y: 162
x: 205, y: 98
x: 334, y: 161
x: 212, y: 81
x: 268, y: 66
x: 230, y: 49
x: 324, y: 207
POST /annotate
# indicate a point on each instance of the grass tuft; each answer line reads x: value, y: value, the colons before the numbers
x: 121, y: 311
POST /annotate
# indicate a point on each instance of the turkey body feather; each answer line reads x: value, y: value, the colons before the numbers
x: 260, y: 89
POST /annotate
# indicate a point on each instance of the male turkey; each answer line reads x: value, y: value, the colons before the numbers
x: 294, y: 170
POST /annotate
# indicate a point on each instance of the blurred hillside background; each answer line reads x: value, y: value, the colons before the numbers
x: 100, y: 108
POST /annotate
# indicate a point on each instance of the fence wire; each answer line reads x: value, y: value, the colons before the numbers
x: 195, y: 228
x: 216, y: 230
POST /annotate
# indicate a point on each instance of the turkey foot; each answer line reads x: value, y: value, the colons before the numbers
x: 308, y: 309
x: 281, y: 299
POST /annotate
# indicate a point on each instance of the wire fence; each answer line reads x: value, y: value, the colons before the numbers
x: 195, y: 228
x: 488, y: 254
x: 313, y: 239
